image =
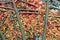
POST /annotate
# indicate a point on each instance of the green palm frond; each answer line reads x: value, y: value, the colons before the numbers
x: 19, y: 21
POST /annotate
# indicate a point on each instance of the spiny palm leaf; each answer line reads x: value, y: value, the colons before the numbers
x: 46, y: 20
x: 19, y: 21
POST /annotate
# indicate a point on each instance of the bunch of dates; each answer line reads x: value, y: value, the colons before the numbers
x: 33, y: 24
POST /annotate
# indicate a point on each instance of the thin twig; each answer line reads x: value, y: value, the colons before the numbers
x: 29, y: 3
x: 20, y: 1
x: 19, y: 9
x: 29, y: 12
x: 5, y: 2
x: 3, y: 10
x: 6, y: 8
x: 54, y: 16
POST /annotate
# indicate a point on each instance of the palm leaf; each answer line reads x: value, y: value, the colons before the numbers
x: 46, y: 20
x: 19, y: 21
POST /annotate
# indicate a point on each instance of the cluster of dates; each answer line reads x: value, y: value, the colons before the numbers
x: 33, y: 24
